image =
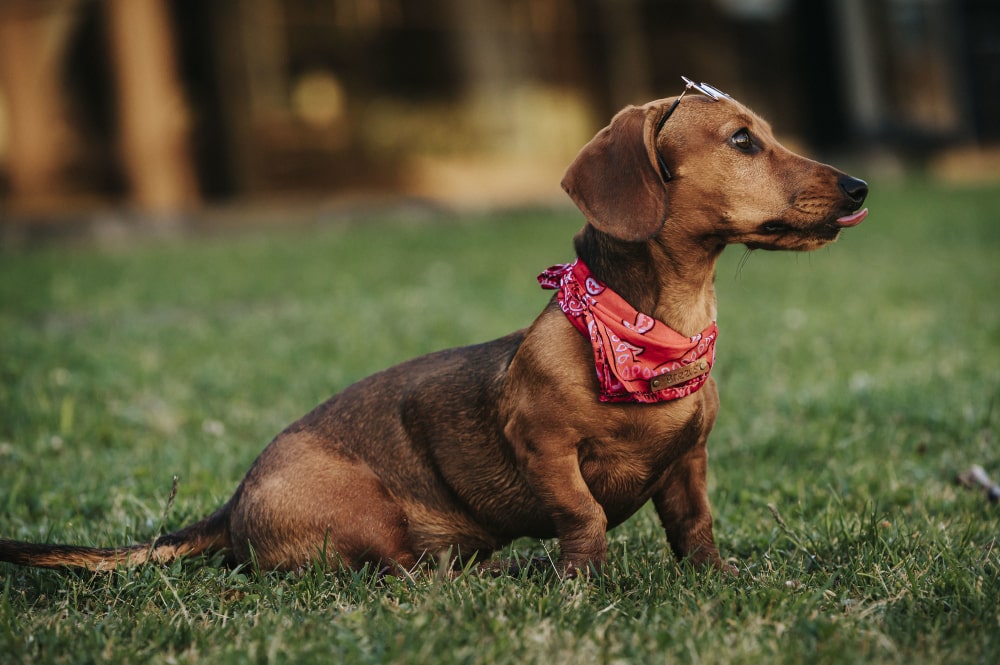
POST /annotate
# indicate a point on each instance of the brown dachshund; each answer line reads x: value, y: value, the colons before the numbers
x: 457, y: 453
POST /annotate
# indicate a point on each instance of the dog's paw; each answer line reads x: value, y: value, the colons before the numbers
x: 729, y: 567
x: 572, y: 568
x: 726, y: 566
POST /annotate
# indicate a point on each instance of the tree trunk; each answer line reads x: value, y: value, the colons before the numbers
x: 32, y: 43
x: 153, y: 116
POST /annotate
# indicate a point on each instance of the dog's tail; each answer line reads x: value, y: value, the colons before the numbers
x: 209, y: 535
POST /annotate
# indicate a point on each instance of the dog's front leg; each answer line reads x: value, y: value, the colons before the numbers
x: 681, y: 499
x: 552, y: 471
x: 580, y: 522
x: 682, y: 504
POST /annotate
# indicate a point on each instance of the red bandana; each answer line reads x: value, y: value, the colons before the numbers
x: 638, y: 358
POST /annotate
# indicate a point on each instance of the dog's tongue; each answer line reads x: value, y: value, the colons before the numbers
x: 853, y: 220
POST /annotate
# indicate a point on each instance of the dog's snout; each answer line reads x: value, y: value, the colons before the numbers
x: 854, y: 189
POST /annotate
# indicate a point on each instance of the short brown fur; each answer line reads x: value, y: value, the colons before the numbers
x: 459, y: 452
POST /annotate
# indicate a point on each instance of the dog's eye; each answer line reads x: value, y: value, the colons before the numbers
x: 742, y: 140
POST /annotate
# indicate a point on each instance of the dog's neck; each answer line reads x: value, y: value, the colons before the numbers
x: 670, y: 281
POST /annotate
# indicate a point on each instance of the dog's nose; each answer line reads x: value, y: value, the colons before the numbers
x: 856, y: 190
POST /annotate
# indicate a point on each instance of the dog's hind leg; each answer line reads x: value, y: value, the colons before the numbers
x: 300, y: 505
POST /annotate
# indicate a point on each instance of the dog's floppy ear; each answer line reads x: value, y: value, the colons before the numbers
x: 615, y: 179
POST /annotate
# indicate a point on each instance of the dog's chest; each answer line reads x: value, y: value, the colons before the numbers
x: 624, y: 468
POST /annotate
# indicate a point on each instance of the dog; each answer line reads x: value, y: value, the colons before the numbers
x: 560, y: 430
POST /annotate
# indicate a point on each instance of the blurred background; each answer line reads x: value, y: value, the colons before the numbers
x: 171, y: 106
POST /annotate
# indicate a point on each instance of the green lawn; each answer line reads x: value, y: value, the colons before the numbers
x: 856, y: 382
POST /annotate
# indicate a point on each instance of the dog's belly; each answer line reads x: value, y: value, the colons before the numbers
x: 483, y: 486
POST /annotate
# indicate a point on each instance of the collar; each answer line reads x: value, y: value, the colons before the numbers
x: 638, y: 358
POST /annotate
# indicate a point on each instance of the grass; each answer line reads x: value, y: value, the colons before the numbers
x: 856, y: 382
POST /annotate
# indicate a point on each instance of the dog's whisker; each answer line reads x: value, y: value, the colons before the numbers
x: 742, y: 262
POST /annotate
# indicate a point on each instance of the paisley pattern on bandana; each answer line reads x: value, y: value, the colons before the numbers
x: 631, y: 349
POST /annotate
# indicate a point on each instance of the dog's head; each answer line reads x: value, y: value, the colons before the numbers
x: 713, y: 171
